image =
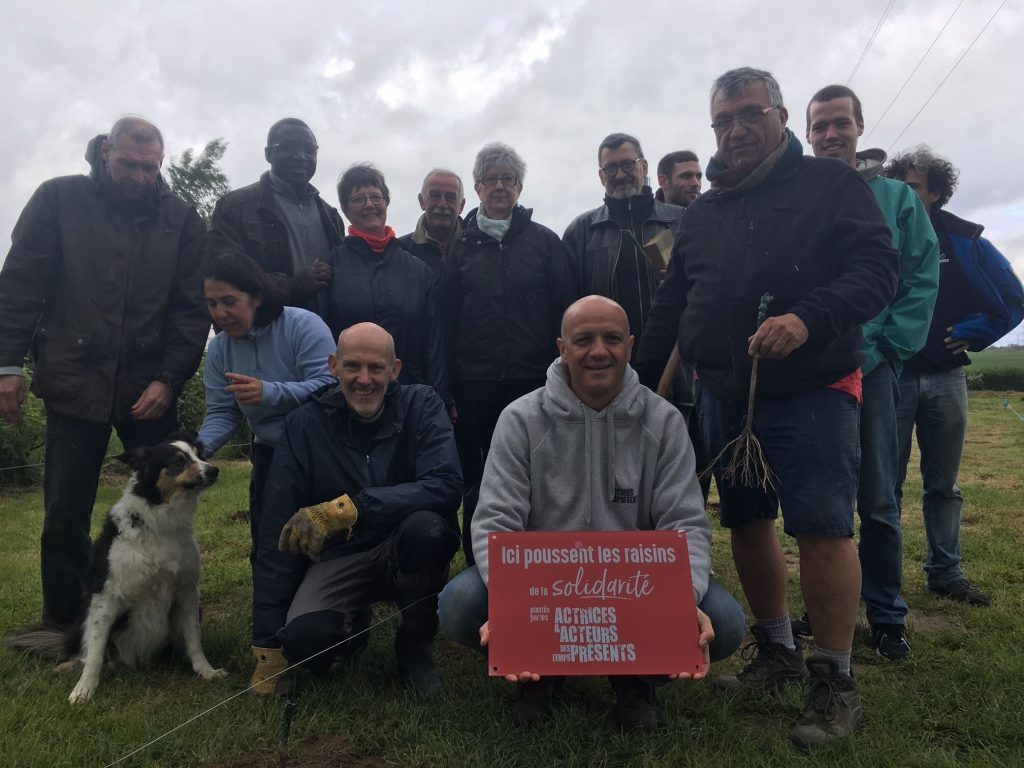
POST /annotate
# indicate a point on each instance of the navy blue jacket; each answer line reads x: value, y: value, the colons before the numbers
x: 412, y: 465
x: 398, y: 292
x: 503, y: 301
x: 812, y: 235
x: 991, y: 276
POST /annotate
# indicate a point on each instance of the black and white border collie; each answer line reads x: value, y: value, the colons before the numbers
x: 144, y: 582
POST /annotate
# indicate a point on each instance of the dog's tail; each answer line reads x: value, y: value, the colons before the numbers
x: 42, y: 640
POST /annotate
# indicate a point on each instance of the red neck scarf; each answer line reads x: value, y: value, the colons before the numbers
x: 377, y: 244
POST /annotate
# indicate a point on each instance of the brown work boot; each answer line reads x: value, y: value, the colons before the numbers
x: 771, y: 666
x: 636, y: 708
x: 833, y: 707
x: 533, y: 704
x: 416, y: 670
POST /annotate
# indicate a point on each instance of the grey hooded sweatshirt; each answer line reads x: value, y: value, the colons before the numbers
x: 557, y: 465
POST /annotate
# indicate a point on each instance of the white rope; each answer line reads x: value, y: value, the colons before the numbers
x: 105, y: 458
x: 269, y: 677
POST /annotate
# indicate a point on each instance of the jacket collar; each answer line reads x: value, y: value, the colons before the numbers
x: 421, y: 235
x: 780, y: 162
x: 954, y: 225
x: 335, y: 407
x: 869, y: 163
x: 665, y: 213
x: 521, y: 217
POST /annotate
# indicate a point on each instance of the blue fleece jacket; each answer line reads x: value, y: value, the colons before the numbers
x: 289, y: 355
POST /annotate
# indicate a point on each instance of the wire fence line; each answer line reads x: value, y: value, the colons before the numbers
x: 106, y: 458
x: 234, y: 696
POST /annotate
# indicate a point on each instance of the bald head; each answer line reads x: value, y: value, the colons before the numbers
x: 367, y: 336
x: 591, y: 306
x: 365, y: 365
x: 596, y: 347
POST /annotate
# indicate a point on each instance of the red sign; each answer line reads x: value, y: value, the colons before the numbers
x: 592, y: 603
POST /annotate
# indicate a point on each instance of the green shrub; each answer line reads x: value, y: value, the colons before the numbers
x: 996, y: 380
x: 22, y: 444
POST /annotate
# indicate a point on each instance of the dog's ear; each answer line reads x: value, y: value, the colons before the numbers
x: 184, y: 436
x: 136, y: 458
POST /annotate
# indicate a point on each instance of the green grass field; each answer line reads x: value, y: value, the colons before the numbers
x: 996, y: 358
x: 959, y: 701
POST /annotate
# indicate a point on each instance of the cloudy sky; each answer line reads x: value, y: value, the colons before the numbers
x: 412, y: 85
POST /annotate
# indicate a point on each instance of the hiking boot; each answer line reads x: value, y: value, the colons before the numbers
x: 415, y: 655
x: 771, y: 666
x: 802, y: 626
x: 635, y: 706
x: 961, y: 591
x: 533, y: 704
x: 890, y: 641
x: 833, y: 707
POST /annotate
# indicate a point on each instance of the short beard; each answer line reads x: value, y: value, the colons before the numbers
x: 622, y: 193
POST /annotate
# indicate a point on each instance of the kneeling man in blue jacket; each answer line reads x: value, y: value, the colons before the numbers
x: 359, y: 508
x: 543, y: 473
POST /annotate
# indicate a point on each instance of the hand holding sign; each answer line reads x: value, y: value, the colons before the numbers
x: 522, y: 677
x: 593, y: 603
x: 707, y: 635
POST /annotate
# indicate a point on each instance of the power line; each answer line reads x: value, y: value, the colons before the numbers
x: 871, y: 40
x: 951, y: 71
x: 919, y: 63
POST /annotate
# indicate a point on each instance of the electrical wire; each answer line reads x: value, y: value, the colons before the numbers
x: 871, y: 40
x: 290, y: 668
x: 951, y: 71
x: 914, y: 71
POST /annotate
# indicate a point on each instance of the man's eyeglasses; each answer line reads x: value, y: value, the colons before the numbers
x: 507, y: 180
x: 360, y: 201
x: 292, y: 146
x: 626, y: 166
x: 746, y: 118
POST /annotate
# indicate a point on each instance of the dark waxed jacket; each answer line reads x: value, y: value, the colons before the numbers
x: 107, y: 294
x: 412, y: 465
x: 812, y: 235
x: 503, y: 302
x: 594, y: 241
x: 401, y: 294
x: 248, y: 219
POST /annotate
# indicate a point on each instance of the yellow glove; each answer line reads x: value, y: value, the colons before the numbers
x: 270, y: 662
x: 310, y: 527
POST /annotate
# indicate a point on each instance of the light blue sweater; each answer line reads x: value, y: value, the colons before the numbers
x: 289, y: 355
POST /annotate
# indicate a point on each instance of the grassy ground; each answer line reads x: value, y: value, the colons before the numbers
x: 995, y: 358
x: 958, y: 702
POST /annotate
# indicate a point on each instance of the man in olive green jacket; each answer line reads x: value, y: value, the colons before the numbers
x: 102, y: 282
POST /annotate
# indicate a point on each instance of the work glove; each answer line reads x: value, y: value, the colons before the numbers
x: 310, y: 527
x: 270, y: 662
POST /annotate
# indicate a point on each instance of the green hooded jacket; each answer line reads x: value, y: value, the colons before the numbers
x: 900, y: 330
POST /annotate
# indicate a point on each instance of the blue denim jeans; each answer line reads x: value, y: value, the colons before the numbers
x: 881, y: 535
x: 936, y: 402
x: 462, y: 609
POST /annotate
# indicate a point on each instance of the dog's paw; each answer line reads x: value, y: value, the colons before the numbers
x: 82, y: 693
x: 212, y: 674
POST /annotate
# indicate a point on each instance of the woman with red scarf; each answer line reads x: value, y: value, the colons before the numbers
x: 376, y: 280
